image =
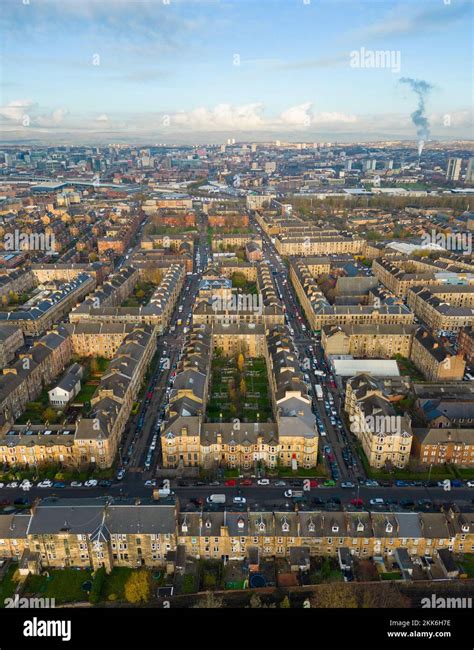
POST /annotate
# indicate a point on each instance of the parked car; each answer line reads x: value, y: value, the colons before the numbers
x: 45, y: 484
x: 377, y: 502
x: 263, y: 481
x: 21, y: 502
x: 91, y: 483
x: 231, y: 482
x: 239, y: 500
x: 280, y: 483
x: 470, y: 484
x: 76, y: 484
x: 59, y: 485
x: 120, y: 474
x: 12, y: 485
x: 151, y: 483
x: 105, y: 484
x: 246, y: 481
x: 358, y: 503
x: 347, y: 484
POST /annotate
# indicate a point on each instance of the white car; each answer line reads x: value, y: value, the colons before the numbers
x: 91, y: 483
x: 45, y: 484
x: 76, y: 484
x: 2, y: 485
x: 13, y: 484
x: 468, y: 483
x: 240, y: 500
x: 263, y: 481
x: 26, y: 483
x: 151, y: 483
x: 377, y: 502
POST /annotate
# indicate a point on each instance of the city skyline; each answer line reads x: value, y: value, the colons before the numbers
x: 189, y: 72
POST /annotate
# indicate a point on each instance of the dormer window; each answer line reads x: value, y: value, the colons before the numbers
x: 360, y: 527
x: 240, y: 522
x: 261, y: 526
x: 285, y: 526
x: 335, y: 528
x: 184, y: 527
x: 208, y: 523
x: 465, y: 528
x: 311, y: 526
x: 388, y: 527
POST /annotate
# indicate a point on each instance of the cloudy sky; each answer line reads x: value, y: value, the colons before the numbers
x: 208, y: 70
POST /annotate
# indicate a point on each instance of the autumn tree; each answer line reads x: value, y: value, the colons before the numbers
x: 137, y: 587
x: 210, y: 601
x: 334, y: 595
x: 240, y: 362
x: 49, y: 415
x: 243, y: 387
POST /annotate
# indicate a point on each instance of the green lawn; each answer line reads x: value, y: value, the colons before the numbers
x: 114, y: 584
x: 468, y: 564
x: 465, y: 473
x: 8, y: 585
x: 235, y: 404
x: 391, y: 575
x: 64, y: 585
x: 86, y: 392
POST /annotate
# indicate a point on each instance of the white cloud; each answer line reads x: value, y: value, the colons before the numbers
x: 221, y: 117
x: 16, y: 110
x: 297, y: 115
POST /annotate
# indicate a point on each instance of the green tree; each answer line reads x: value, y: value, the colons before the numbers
x: 285, y: 603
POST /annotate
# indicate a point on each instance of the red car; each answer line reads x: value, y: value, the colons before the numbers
x: 313, y: 483
x: 358, y: 503
x: 246, y: 481
x: 230, y: 482
x: 149, y: 395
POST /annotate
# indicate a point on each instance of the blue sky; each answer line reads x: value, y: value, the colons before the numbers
x: 243, y: 68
